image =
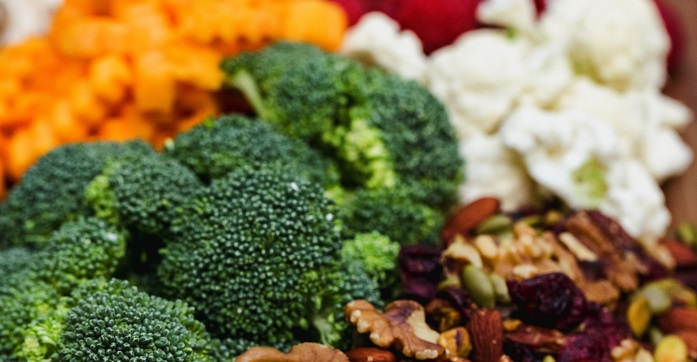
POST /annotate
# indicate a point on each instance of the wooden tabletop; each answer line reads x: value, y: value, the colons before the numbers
x: 681, y: 193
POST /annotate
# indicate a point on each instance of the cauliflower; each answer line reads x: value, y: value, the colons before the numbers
x: 635, y: 200
x: 478, y: 79
x: 646, y: 120
x: 619, y: 43
x: 513, y: 14
x: 495, y: 171
x: 566, y: 152
x: 377, y: 40
x: 20, y: 19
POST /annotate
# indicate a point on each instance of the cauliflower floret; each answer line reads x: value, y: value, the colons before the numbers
x: 635, y: 200
x: 566, y: 152
x: 495, y: 171
x: 478, y: 79
x: 377, y: 40
x: 549, y: 75
x: 512, y: 14
x: 645, y: 120
x: 25, y: 18
x: 620, y: 43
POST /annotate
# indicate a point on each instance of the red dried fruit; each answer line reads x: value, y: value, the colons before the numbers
x: 601, y: 333
x: 459, y: 299
x: 549, y: 300
x: 420, y: 270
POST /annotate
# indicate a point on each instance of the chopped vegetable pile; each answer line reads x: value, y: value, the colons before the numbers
x: 242, y: 232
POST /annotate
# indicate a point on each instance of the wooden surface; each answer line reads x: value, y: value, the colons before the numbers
x: 681, y: 193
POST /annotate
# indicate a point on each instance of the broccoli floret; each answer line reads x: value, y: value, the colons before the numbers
x: 228, y: 349
x: 9, y: 233
x: 394, y: 212
x: 218, y: 146
x: 85, y: 249
x: 143, y: 193
x: 378, y: 256
x: 291, y: 85
x: 13, y: 260
x: 249, y: 253
x: 415, y: 129
x: 345, y: 283
x: 23, y: 299
x: 117, y: 322
x: 381, y: 130
x: 50, y: 192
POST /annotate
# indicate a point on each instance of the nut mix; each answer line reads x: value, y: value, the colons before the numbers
x: 537, y: 287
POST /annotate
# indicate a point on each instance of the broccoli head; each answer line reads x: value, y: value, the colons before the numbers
x: 249, y: 252
x: 380, y: 130
x: 50, y: 192
x: 15, y: 259
x: 344, y: 283
x: 378, y: 256
x: 292, y: 86
x: 218, y: 146
x: 23, y: 300
x: 80, y: 250
x: 114, y: 321
x: 394, y: 212
x: 143, y: 193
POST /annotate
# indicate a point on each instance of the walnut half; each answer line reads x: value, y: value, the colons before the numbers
x: 403, y: 324
x: 300, y: 353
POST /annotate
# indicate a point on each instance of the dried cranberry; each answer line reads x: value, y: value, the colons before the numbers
x: 601, y: 333
x: 419, y: 259
x: 586, y: 347
x: 420, y: 287
x: 420, y: 270
x: 613, y: 329
x: 549, y: 300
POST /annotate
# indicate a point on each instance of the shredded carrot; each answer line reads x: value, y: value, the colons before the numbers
x: 120, y: 69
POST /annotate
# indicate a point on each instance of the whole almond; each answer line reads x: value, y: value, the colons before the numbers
x: 690, y: 339
x: 678, y: 319
x: 469, y: 216
x: 370, y: 354
x: 486, y: 332
x: 682, y: 253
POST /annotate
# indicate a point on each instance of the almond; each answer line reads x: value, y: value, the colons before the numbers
x: 678, y: 319
x: 690, y: 339
x: 370, y: 354
x: 469, y: 216
x: 486, y: 332
x: 682, y: 253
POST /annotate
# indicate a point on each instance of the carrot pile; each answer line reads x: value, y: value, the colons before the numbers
x: 121, y: 69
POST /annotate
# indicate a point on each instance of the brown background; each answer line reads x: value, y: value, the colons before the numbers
x: 681, y: 193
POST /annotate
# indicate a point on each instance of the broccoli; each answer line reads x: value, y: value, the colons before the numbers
x: 381, y: 130
x: 378, y: 256
x: 50, y: 192
x: 114, y: 321
x: 393, y: 212
x: 33, y: 298
x: 344, y: 283
x: 248, y: 253
x: 218, y: 146
x: 294, y: 87
x: 143, y: 193
x: 13, y: 260
x: 80, y: 250
x: 23, y: 299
